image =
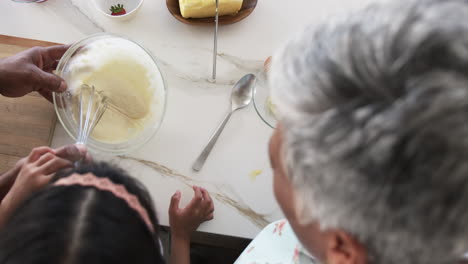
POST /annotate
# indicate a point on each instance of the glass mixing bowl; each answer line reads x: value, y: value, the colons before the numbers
x: 63, y: 102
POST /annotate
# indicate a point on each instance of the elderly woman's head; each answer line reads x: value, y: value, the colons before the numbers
x: 370, y: 157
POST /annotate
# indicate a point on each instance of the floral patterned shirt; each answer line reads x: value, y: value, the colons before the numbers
x: 275, y: 244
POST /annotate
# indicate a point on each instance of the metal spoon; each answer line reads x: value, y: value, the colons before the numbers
x: 241, y: 96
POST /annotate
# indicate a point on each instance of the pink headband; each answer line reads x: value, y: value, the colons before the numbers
x: 104, y: 184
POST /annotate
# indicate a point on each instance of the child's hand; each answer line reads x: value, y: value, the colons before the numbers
x: 35, y: 172
x: 185, y: 221
x: 72, y: 153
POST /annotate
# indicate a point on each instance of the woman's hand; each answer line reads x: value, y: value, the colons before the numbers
x: 31, y: 70
x: 185, y: 221
x: 74, y: 153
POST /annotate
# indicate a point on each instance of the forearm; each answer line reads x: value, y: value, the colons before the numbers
x: 5, y: 213
x: 6, y: 181
x: 3, y: 76
x: 180, y: 250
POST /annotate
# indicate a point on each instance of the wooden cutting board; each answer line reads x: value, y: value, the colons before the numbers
x: 25, y: 122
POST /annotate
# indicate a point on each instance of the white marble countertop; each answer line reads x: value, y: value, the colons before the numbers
x: 195, y: 106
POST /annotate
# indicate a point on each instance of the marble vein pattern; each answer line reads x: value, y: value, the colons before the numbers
x: 260, y: 220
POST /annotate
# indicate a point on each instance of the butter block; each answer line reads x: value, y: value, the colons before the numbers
x: 207, y: 8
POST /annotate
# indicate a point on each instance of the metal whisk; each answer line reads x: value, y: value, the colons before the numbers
x: 92, y: 106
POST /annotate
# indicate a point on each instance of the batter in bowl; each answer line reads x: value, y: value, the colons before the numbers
x: 124, y: 73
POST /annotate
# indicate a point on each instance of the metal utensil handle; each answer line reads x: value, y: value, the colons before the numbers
x: 206, y: 151
x: 215, y: 48
x: 80, y: 161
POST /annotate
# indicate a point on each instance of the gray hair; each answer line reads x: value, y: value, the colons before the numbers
x: 375, y: 115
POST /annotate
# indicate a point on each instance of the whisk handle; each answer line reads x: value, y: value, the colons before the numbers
x: 80, y: 161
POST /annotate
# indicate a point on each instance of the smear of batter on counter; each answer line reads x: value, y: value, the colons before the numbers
x: 253, y: 174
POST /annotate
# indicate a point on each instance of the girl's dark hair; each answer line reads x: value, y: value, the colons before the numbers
x: 76, y: 224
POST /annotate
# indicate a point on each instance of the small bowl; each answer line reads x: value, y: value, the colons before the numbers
x: 131, y: 7
x: 263, y: 105
x: 247, y: 8
x: 64, y: 104
x: 29, y: 1
x: 262, y: 99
